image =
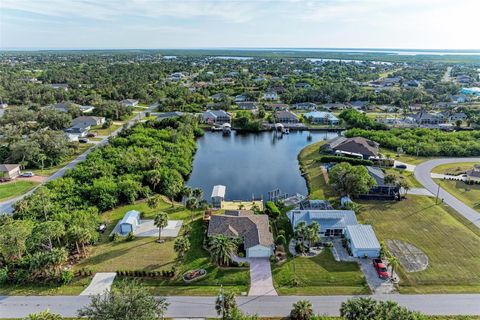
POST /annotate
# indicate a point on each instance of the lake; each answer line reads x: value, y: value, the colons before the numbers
x: 251, y: 164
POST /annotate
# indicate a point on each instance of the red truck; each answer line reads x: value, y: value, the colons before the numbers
x: 381, y: 268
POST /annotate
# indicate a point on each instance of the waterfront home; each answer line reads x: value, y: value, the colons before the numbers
x: 129, y: 102
x: 283, y: 116
x: 357, y: 147
x: 88, y: 121
x: 321, y: 117
x: 9, y: 171
x: 362, y: 241
x: 252, y: 106
x: 253, y: 231
x: 380, y: 191
x: 216, y: 117
x: 270, y: 95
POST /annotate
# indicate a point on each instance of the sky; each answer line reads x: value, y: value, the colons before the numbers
x: 150, y: 24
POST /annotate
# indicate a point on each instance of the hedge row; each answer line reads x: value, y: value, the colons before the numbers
x: 144, y: 273
x: 352, y: 161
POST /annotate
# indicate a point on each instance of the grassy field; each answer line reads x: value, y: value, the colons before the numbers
x: 405, y: 158
x: 452, y: 246
x: 82, y: 147
x: 105, y: 132
x: 454, y: 168
x: 12, y: 189
x: 72, y: 289
x: 310, y: 167
x: 320, y: 275
x: 146, y: 254
x: 468, y: 194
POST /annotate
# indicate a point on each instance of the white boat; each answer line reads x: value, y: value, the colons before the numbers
x: 286, y: 131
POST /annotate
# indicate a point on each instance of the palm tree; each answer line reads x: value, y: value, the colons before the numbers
x: 302, y: 310
x: 181, y: 246
x: 301, y: 231
x: 225, y: 304
x: 191, y: 205
x: 197, y: 193
x: 313, y: 231
x: 187, y: 192
x: 160, y: 221
x: 393, y: 263
x: 222, y: 249
x: 154, y: 177
x: 154, y: 201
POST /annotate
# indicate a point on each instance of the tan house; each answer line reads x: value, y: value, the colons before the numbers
x: 9, y: 171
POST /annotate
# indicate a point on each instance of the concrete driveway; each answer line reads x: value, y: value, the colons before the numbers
x: 261, y: 283
x: 377, y: 285
x: 101, y: 282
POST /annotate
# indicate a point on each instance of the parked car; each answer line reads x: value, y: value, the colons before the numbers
x: 381, y: 268
x: 401, y: 166
x: 83, y: 140
x: 27, y: 174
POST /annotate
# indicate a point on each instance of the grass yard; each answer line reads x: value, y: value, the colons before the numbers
x: 105, y: 132
x: 320, y: 275
x: 146, y: 254
x: 310, y: 168
x: 72, y: 289
x: 454, y: 168
x: 452, y: 246
x: 17, y: 187
x: 405, y: 158
x: 468, y: 194
x: 407, y: 175
x: 82, y: 147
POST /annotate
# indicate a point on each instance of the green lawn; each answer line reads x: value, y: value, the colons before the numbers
x: 405, y: 158
x: 82, y: 147
x: 407, y: 175
x: 320, y: 275
x: 468, y: 194
x: 310, y: 168
x: 72, y: 289
x: 452, y: 246
x: 105, y: 132
x: 454, y: 168
x: 146, y: 254
x: 12, y: 189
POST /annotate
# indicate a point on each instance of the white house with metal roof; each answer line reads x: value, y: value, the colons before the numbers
x: 362, y: 240
x: 332, y: 222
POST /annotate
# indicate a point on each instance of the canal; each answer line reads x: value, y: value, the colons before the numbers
x: 251, y: 164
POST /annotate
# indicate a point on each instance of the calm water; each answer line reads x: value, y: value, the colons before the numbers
x: 251, y: 164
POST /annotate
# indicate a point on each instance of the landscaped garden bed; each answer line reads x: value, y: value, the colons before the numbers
x: 194, y: 275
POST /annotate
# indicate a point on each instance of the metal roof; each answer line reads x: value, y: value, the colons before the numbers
x: 362, y: 236
x: 131, y: 217
x: 327, y: 219
x: 218, y: 191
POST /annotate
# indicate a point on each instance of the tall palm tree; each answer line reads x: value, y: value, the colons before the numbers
x: 225, y: 304
x: 154, y: 201
x: 222, y: 249
x: 160, y: 221
x: 197, y: 193
x: 393, y: 263
x: 302, y: 310
x: 191, y: 205
x: 181, y: 246
x: 187, y: 192
x: 313, y: 231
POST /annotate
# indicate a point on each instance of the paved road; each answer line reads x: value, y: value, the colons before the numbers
x: 422, y: 174
x: 264, y: 306
x: 7, y: 206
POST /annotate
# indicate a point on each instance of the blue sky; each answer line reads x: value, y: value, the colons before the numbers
x: 424, y: 24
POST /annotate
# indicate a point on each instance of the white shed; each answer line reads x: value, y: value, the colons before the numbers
x: 130, y: 221
x: 218, y: 195
x: 362, y: 240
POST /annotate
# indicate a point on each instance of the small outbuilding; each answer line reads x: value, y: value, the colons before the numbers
x: 9, y: 171
x: 218, y: 195
x: 130, y: 222
x: 362, y: 241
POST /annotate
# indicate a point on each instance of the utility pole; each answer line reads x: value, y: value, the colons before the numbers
x: 438, y: 191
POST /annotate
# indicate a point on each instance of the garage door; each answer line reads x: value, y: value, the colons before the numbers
x: 258, y: 252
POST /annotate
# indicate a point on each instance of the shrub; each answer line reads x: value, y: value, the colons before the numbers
x: 300, y: 248
x: 66, y: 276
x: 130, y: 236
x: 352, y: 161
x: 114, y: 237
x: 3, y: 275
x: 241, y: 255
x: 272, y: 209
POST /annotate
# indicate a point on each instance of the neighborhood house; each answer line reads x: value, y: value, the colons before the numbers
x: 88, y: 121
x: 358, y: 147
x: 9, y: 171
x: 216, y: 117
x: 320, y: 117
x: 252, y: 229
x: 286, y: 117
